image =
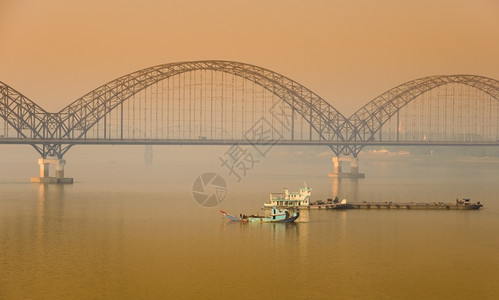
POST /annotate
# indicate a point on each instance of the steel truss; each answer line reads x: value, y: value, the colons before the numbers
x: 344, y: 136
x: 369, y: 119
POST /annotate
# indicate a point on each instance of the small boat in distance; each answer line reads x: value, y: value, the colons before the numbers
x: 276, y: 216
x: 290, y: 200
x: 302, y: 200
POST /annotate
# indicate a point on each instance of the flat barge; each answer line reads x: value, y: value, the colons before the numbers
x: 301, y: 200
x: 460, y: 204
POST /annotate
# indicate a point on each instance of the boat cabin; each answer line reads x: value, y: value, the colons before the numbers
x: 293, y: 199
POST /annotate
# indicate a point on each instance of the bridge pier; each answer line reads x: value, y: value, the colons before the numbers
x: 44, y: 164
x: 354, y: 168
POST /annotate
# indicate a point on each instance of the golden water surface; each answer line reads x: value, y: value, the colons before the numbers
x: 102, y: 238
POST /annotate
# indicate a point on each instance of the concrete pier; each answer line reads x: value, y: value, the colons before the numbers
x: 338, y: 170
x: 59, y: 178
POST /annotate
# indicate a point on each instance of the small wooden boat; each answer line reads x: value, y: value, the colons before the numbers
x: 277, y: 215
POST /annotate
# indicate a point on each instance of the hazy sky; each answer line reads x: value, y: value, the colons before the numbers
x: 348, y: 52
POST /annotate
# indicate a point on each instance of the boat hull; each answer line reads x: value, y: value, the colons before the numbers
x: 415, y: 206
x: 270, y: 220
x: 261, y: 219
x: 329, y: 206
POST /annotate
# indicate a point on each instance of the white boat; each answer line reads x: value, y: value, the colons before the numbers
x: 288, y: 199
x: 277, y: 215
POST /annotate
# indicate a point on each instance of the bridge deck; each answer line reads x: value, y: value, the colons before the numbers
x: 238, y: 141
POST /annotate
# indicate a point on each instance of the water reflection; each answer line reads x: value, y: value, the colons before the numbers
x: 335, y: 184
x: 284, y: 232
x: 128, y: 241
x: 345, y: 188
x: 51, y: 201
x: 53, y: 239
x: 41, y: 213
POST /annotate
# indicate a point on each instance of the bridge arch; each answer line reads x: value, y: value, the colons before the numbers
x: 84, y: 113
x: 371, y: 118
x: 27, y: 119
x: 52, y: 134
x: 20, y: 113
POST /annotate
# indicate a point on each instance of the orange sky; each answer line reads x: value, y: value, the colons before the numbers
x: 348, y: 52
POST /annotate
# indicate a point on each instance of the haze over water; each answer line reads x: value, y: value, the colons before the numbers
x: 126, y: 229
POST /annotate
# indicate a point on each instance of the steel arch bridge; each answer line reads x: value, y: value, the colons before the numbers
x: 477, y: 102
x: 89, y: 118
x: 224, y: 102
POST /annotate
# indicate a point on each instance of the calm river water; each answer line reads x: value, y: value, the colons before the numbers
x: 125, y: 230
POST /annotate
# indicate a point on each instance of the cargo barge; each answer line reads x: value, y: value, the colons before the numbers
x: 301, y: 200
x: 460, y: 204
